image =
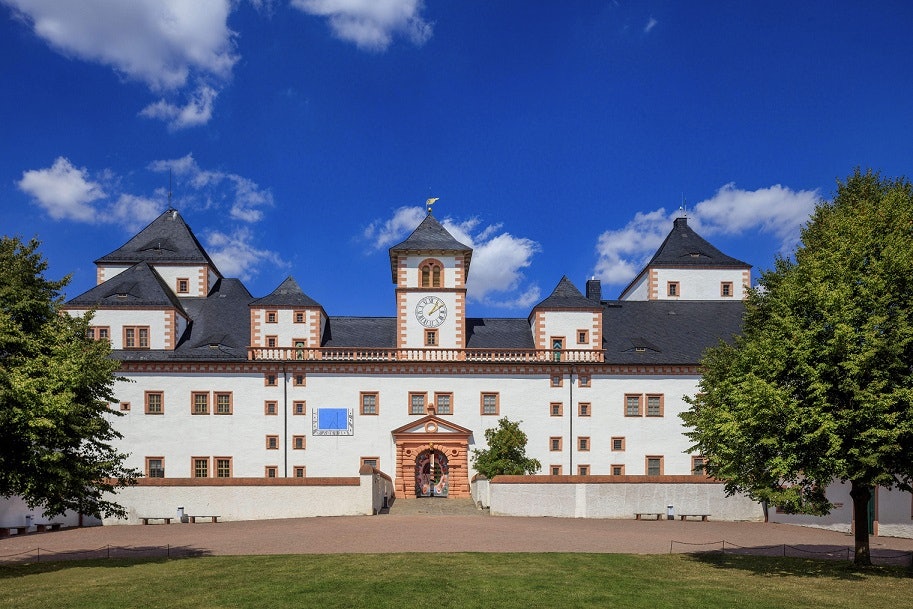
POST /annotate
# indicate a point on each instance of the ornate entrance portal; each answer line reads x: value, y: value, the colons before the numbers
x: 432, y: 475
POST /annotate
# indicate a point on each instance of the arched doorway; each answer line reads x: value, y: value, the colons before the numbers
x: 432, y: 474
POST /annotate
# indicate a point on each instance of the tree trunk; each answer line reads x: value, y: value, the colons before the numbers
x: 861, y: 494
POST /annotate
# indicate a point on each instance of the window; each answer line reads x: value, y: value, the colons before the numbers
x: 554, y: 470
x: 556, y: 409
x: 583, y: 443
x: 430, y: 338
x: 369, y: 403
x: 655, y: 405
x: 583, y: 470
x: 557, y: 346
x: 299, y: 408
x: 443, y: 403
x: 697, y: 465
x: 372, y: 461
x: 124, y: 406
x: 431, y: 272
x: 726, y: 289
x: 555, y: 443
x: 155, y: 467
x: 298, y: 380
x: 223, y: 402
x: 200, y: 467
x: 136, y: 337
x: 271, y: 471
x: 583, y: 337
x: 633, y: 405
x: 672, y: 288
x: 199, y: 403
x: 583, y: 409
x: 416, y: 403
x: 618, y: 470
x: 272, y: 341
x: 223, y: 467
x: 300, y: 471
x: 155, y: 402
x: 299, y: 317
x: 99, y: 333
x: 183, y: 286
x: 270, y: 407
x: 272, y: 442
x: 299, y: 442
x: 557, y: 380
x: 299, y: 348
x: 583, y: 380
x: 654, y: 466
x: 618, y: 444
x: 270, y: 380
x: 490, y: 404
x: 272, y: 317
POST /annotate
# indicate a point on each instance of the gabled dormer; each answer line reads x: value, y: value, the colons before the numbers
x: 687, y: 267
x: 286, y: 318
x: 170, y: 247
x: 566, y: 321
x: 134, y: 310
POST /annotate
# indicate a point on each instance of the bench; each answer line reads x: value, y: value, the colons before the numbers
x: 6, y: 531
x: 644, y: 516
x: 193, y: 519
x: 147, y: 519
x: 703, y: 517
x: 44, y: 526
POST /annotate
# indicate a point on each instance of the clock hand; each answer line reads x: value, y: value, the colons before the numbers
x: 437, y: 306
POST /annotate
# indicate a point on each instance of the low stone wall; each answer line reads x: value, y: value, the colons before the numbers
x: 617, y: 497
x: 15, y: 512
x: 480, y: 489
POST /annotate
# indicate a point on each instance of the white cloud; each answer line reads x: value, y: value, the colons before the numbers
x: 161, y: 43
x: 133, y: 212
x: 371, y: 24
x: 64, y: 191
x: 650, y: 25
x: 777, y: 211
x: 496, y: 271
x: 236, y: 256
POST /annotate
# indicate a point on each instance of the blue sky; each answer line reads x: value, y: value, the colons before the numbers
x: 304, y: 136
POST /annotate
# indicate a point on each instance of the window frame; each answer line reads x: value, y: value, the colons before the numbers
x: 584, y: 444
x: 299, y: 439
x: 95, y: 333
x: 694, y: 461
x: 362, y: 407
x: 497, y: 403
x: 194, y: 470
x: 584, y: 409
x: 216, y: 467
x: 299, y: 380
x: 431, y: 338
x: 272, y: 441
x: 556, y: 380
x: 727, y: 286
x: 584, y: 335
x: 275, y: 408
x: 270, y: 379
x: 161, y: 405
x: 412, y: 409
x: 584, y: 380
x: 299, y: 468
x: 193, y: 402
x: 150, y: 469
x: 271, y: 469
x: 583, y: 470
x: 555, y: 470
x: 673, y: 289
x: 182, y: 281
x: 616, y: 441
x: 125, y: 406
x: 619, y: 466
x: 640, y: 404
x: 647, y: 460
x: 137, y: 338
x: 365, y: 461
x: 662, y: 405
x: 556, y: 444
x: 271, y: 316
x: 303, y: 409
x: 272, y: 341
x: 299, y: 316
x: 437, y: 408
x: 556, y: 409
x: 217, y: 405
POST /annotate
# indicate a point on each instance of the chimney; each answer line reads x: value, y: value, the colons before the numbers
x: 594, y: 289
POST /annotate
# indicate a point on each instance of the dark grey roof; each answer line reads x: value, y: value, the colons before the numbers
x: 667, y: 331
x: 288, y: 294
x: 429, y: 236
x: 166, y: 239
x: 567, y: 296
x: 684, y: 247
x: 371, y: 332
x: 498, y: 333
x: 138, y: 286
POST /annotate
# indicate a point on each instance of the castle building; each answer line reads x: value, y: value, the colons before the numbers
x: 219, y: 384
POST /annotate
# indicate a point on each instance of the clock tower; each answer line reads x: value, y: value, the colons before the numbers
x: 429, y: 269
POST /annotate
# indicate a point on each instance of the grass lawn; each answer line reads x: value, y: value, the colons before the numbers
x: 455, y: 580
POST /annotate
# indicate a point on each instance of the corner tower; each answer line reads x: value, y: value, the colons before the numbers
x: 430, y: 269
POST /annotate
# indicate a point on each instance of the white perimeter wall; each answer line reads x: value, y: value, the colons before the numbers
x: 13, y: 512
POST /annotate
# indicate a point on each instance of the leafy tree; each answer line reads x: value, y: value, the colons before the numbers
x: 819, y: 386
x: 55, y: 388
x: 506, y: 452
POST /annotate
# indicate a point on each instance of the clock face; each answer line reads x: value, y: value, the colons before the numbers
x: 431, y: 311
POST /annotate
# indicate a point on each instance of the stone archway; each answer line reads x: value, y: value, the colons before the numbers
x: 432, y: 435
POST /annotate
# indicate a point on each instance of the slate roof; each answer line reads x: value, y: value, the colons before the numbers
x: 566, y: 296
x: 167, y: 239
x: 684, y: 247
x: 138, y: 286
x: 499, y: 333
x: 371, y: 332
x: 430, y: 235
x: 288, y: 294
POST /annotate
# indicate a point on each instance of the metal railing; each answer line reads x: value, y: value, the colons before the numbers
x: 361, y: 354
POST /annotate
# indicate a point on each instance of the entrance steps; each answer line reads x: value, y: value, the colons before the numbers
x: 435, y: 506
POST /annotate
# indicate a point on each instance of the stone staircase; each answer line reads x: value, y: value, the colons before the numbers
x: 435, y: 506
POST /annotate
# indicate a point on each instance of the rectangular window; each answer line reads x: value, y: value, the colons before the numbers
x: 555, y: 470
x: 583, y: 470
x: 369, y: 404
x: 555, y: 443
x: 618, y: 444
x: 655, y: 405
x: 136, y: 337
x: 270, y: 380
x: 125, y: 406
x: 99, y: 333
x: 299, y: 317
x: 224, y: 402
x: 583, y: 337
x: 672, y: 288
x: 299, y: 442
x: 583, y: 443
x: 300, y: 471
x: 272, y: 341
x: 557, y: 380
x: 557, y: 347
x: 299, y: 408
x: 155, y: 467
x: 416, y: 403
x: 726, y: 289
x: 583, y: 380
x: 633, y: 405
x: 654, y: 466
x: 443, y: 403
x: 372, y: 461
x: 298, y: 380
x: 183, y: 286
x: 272, y: 471
x: 272, y: 317
x: 618, y: 470
x: 272, y: 442
x: 270, y: 408
x: 697, y: 465
x: 200, y: 403
x: 223, y: 467
x: 583, y: 409
x: 200, y: 467
x: 430, y: 338
x: 491, y: 404
x: 556, y: 409
x: 155, y: 402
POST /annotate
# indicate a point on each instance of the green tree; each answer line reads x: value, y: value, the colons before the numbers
x: 55, y: 389
x: 819, y: 386
x: 506, y: 452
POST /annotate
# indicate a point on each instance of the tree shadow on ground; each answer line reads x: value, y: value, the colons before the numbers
x: 805, y: 561
x: 45, y: 561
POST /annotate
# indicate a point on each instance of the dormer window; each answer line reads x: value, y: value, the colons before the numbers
x: 672, y: 288
x: 431, y: 272
x: 183, y: 286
